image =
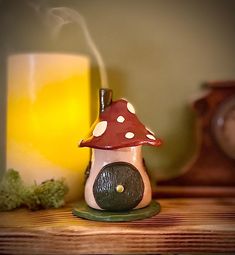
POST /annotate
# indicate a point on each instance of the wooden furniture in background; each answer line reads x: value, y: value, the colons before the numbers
x: 214, y: 163
x: 183, y: 225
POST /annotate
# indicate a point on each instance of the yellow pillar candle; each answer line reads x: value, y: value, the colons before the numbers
x: 48, y: 111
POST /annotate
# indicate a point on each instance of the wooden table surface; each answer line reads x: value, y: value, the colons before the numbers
x: 184, y: 225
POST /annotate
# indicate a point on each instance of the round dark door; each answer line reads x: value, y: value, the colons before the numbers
x: 118, y: 187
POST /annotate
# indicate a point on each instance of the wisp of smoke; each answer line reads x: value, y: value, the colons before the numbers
x: 61, y: 16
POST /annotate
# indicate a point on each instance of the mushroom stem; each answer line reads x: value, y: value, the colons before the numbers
x: 105, y: 98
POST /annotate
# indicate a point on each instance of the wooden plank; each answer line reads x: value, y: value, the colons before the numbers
x: 184, y: 225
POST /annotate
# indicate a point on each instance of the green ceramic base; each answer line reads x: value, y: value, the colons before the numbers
x: 84, y: 211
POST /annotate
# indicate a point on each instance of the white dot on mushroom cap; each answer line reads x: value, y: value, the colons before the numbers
x: 129, y: 135
x: 100, y: 128
x: 151, y: 137
x: 130, y: 108
x: 120, y: 119
x: 150, y: 131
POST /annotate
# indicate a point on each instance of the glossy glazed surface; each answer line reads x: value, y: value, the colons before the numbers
x: 119, y: 127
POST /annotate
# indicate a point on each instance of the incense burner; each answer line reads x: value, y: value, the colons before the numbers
x: 117, y: 178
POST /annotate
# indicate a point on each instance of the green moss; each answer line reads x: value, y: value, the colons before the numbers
x: 11, y: 187
x: 14, y: 193
x: 49, y: 194
x: 30, y: 198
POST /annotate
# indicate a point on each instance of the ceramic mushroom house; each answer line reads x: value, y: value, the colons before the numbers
x: 117, y: 178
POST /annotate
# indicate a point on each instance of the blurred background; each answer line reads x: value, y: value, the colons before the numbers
x: 157, y: 54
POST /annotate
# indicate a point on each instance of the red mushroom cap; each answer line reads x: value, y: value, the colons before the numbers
x: 119, y: 127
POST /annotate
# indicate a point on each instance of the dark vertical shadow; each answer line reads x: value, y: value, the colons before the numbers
x: 3, y: 101
x: 3, y: 94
